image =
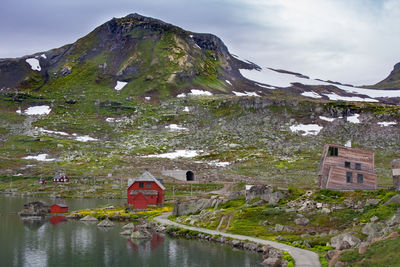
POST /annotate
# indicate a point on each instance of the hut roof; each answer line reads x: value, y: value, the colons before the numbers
x: 147, y: 177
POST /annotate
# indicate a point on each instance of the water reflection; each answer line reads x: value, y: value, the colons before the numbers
x: 63, y: 243
x: 57, y: 220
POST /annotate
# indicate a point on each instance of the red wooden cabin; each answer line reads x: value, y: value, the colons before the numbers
x: 145, y: 190
x: 58, y: 208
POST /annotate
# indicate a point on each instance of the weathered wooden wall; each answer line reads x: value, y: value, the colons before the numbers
x: 332, y: 172
x: 337, y: 179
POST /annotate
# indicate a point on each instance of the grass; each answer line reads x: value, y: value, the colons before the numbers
x: 382, y: 253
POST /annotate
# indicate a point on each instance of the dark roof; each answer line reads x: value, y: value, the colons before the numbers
x: 147, y: 177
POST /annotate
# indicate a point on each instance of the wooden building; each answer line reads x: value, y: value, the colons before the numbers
x: 60, y: 178
x: 346, y: 168
x: 145, y: 190
x: 58, y: 208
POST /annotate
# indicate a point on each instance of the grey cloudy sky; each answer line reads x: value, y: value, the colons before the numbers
x: 352, y: 41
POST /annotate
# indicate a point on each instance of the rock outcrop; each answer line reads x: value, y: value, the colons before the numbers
x: 264, y: 192
x: 186, y: 207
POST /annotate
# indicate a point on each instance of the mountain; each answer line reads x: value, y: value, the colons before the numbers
x: 392, y: 81
x: 137, y: 93
x: 152, y: 56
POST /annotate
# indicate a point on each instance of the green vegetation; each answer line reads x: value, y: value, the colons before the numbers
x: 382, y: 253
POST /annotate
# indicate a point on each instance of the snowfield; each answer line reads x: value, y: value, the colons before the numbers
x: 311, y: 94
x: 36, y: 110
x: 176, y: 154
x: 387, y: 123
x: 34, y: 63
x: 354, y: 118
x: 175, y: 127
x: 40, y: 157
x: 245, y: 93
x: 306, y: 129
x: 277, y: 79
x: 196, y: 92
x: 326, y: 118
x: 120, y: 85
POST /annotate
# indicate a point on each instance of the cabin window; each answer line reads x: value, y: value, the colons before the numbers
x: 141, y: 185
x: 360, y: 178
x: 358, y: 166
x: 333, y: 151
x: 349, y: 177
x: 148, y: 185
x: 347, y: 164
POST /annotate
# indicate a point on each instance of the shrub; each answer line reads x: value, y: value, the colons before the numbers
x: 271, y: 211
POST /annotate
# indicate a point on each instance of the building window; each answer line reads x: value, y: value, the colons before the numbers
x: 141, y: 185
x: 347, y: 164
x: 349, y: 177
x: 360, y: 178
x: 358, y: 166
x: 333, y: 151
x: 148, y: 185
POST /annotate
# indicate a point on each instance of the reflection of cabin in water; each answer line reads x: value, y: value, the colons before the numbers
x: 181, y: 175
x: 346, y: 168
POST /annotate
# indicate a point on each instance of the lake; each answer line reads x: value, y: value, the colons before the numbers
x: 57, y: 242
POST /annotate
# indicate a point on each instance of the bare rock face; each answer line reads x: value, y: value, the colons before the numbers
x: 302, y: 221
x: 339, y: 241
x: 372, y: 230
x: 264, y: 192
x: 194, y: 206
x: 395, y: 199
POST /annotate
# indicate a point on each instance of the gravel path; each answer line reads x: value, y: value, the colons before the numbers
x: 303, y: 258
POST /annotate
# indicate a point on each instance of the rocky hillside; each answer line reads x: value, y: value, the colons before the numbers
x: 138, y: 93
x: 393, y: 80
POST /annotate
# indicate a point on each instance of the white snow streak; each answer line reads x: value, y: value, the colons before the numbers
x: 353, y: 119
x: 176, y: 154
x: 120, y: 85
x: 387, y: 123
x: 34, y: 63
x: 306, y: 129
x: 311, y: 94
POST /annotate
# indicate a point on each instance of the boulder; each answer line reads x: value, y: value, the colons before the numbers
x: 374, y: 219
x: 338, y: 241
x: 126, y: 232
x: 271, y: 262
x: 182, y: 207
x: 363, y: 247
x: 141, y: 234
x: 370, y: 202
x: 325, y: 211
x: 106, y: 223
x: 395, y: 199
x: 372, y: 230
x: 265, y: 193
x: 302, y: 221
x: 89, y: 218
x: 128, y: 226
x: 36, y: 208
x: 395, y: 220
